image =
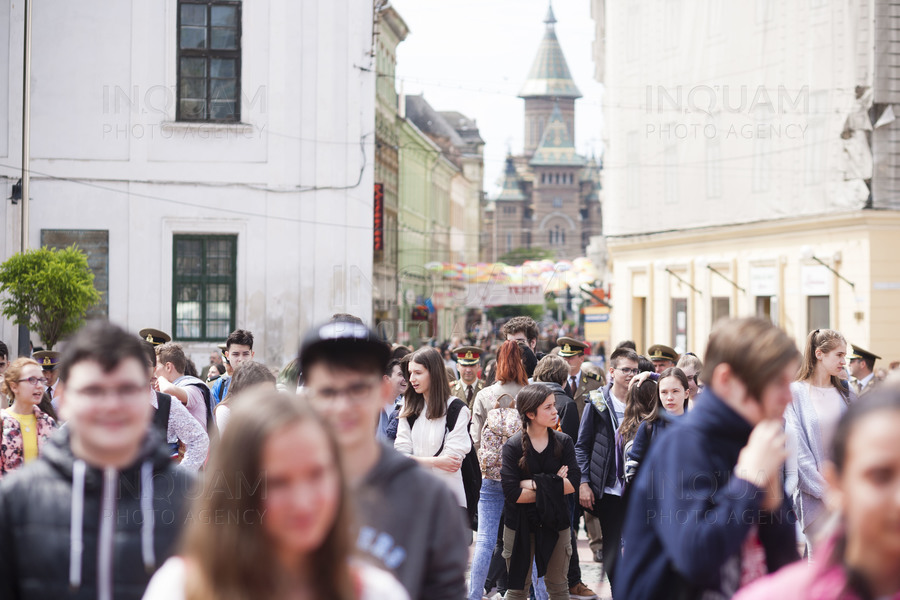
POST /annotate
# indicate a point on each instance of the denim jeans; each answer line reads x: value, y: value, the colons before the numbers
x: 490, y: 508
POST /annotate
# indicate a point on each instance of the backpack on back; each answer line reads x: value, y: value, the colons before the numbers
x: 500, y: 425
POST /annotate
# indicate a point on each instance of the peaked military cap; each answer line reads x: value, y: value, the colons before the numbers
x: 662, y: 352
x: 856, y: 352
x: 467, y: 355
x: 155, y: 336
x: 570, y: 347
x: 48, y: 359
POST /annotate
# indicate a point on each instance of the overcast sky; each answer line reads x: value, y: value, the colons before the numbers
x: 473, y: 56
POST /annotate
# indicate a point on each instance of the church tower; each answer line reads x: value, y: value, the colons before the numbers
x: 551, y: 194
x: 549, y: 84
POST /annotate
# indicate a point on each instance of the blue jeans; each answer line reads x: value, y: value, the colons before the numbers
x: 490, y: 508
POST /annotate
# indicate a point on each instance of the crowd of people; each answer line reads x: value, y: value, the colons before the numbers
x: 369, y: 471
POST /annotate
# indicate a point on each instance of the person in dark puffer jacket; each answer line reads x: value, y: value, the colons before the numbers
x: 600, y: 456
x: 103, y: 506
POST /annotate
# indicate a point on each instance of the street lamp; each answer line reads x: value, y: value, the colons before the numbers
x: 806, y: 254
x: 703, y: 262
x: 661, y: 266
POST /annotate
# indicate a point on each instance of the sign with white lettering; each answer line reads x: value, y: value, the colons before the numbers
x: 480, y: 295
x: 815, y: 280
x: 763, y: 281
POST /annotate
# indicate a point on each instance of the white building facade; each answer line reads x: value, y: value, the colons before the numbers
x: 750, y: 168
x: 215, y: 159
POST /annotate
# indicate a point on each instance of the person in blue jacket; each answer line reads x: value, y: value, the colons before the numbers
x: 708, y: 512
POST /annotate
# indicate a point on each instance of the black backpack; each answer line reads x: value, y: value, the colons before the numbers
x: 470, y: 469
x: 161, y: 415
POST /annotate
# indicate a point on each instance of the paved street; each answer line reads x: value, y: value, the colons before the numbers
x: 591, y: 572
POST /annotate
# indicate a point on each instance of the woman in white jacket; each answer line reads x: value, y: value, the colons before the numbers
x: 820, y: 399
x: 428, y: 442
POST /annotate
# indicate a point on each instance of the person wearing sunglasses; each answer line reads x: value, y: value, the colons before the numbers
x: 25, y: 426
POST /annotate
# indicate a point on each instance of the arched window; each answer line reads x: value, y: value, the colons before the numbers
x: 557, y: 236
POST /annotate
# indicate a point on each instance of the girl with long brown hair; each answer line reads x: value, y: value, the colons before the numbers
x: 538, y: 462
x: 820, y: 397
x: 273, y: 519
x: 421, y: 431
x: 639, y: 403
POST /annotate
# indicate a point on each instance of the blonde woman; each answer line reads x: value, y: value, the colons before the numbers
x: 25, y: 426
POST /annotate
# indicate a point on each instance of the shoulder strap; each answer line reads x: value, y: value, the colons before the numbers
x: 211, y: 428
x: 163, y: 408
x: 453, y: 410
x: 500, y: 397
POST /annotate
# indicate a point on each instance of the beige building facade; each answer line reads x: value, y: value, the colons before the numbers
x: 750, y: 168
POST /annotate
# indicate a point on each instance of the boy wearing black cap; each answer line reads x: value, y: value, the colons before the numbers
x: 409, y: 521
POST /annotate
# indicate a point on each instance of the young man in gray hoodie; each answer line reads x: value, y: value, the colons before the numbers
x: 409, y: 521
x: 103, y: 506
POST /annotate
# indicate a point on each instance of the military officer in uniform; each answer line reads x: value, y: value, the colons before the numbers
x: 580, y: 382
x: 155, y: 336
x: 862, y: 368
x: 663, y: 357
x: 49, y: 362
x: 468, y: 385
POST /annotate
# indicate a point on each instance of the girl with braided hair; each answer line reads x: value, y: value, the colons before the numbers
x: 539, y: 470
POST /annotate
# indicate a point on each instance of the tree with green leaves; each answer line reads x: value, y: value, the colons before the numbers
x: 520, y: 255
x: 48, y: 291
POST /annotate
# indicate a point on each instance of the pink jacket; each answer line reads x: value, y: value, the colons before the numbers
x: 12, y: 451
x: 802, y: 581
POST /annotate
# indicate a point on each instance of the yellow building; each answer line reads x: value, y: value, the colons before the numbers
x: 751, y: 168
x: 671, y: 287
